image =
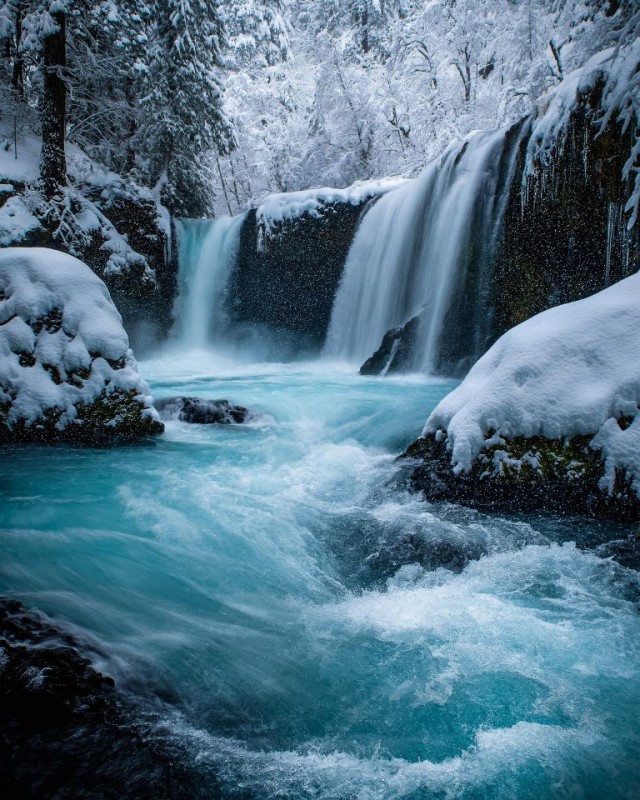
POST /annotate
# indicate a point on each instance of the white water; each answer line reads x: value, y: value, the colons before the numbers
x: 207, y: 252
x: 413, y: 247
x: 297, y: 606
x: 324, y: 634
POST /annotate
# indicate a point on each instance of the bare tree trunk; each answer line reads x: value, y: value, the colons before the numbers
x: 53, y: 166
x: 465, y: 72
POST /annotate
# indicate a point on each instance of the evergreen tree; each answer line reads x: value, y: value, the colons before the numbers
x: 182, y: 124
x: 258, y: 34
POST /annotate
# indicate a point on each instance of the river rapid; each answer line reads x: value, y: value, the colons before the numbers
x: 317, y: 630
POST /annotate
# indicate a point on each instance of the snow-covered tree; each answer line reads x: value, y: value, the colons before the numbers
x: 258, y: 34
x: 182, y: 123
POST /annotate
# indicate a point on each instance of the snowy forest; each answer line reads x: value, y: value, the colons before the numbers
x: 216, y: 104
x: 319, y: 399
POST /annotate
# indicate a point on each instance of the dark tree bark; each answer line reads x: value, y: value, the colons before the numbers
x: 53, y: 166
x: 17, y: 74
x: 464, y: 68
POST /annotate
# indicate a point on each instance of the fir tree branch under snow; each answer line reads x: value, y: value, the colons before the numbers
x: 569, y: 371
x: 66, y: 370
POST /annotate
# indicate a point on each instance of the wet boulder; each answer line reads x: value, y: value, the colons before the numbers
x: 396, y: 351
x: 67, y: 730
x: 548, y: 418
x: 202, y: 412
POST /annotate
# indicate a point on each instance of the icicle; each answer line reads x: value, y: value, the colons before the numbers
x: 611, y: 209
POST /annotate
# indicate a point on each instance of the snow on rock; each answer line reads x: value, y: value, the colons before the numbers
x: 66, y: 370
x: 17, y: 223
x: 77, y: 217
x: 617, y: 69
x: 571, y: 370
x: 278, y: 208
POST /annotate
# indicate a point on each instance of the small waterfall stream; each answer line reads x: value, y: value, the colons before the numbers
x: 416, y: 248
x: 207, y: 253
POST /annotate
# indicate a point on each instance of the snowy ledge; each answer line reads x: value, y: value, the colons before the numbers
x: 554, y: 398
x: 278, y: 208
x: 66, y: 370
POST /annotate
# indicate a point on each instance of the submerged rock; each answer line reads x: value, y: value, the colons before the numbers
x: 395, y: 351
x: 624, y: 551
x: 66, y: 370
x: 203, y: 412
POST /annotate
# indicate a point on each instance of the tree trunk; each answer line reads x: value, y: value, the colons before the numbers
x: 53, y: 166
x: 17, y: 75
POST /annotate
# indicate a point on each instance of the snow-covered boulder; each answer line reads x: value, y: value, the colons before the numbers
x: 66, y: 370
x: 548, y: 417
x: 17, y: 224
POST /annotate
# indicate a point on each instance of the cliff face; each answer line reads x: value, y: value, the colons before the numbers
x: 287, y: 280
x: 564, y: 233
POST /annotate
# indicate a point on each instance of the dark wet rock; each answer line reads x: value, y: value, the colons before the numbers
x: 396, y: 351
x: 429, y: 551
x: 561, y: 476
x: 625, y: 551
x: 572, y: 214
x: 202, y: 412
x: 287, y: 282
x: 381, y: 360
x: 65, y: 729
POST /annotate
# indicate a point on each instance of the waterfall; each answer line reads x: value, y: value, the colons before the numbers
x: 208, y: 250
x: 421, y: 250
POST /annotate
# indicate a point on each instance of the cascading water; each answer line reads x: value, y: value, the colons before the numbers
x: 301, y: 625
x: 416, y: 247
x: 207, y: 252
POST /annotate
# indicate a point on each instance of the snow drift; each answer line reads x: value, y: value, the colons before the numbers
x: 66, y: 370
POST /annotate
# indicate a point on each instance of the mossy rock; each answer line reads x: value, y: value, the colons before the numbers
x: 527, y: 474
x: 115, y: 417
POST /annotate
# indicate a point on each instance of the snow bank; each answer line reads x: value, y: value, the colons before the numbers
x: 16, y: 222
x: 65, y: 362
x: 573, y: 369
x: 276, y: 208
x: 19, y: 161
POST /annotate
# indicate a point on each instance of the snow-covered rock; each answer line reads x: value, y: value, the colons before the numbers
x: 66, y: 370
x: 278, y: 208
x: 554, y: 400
x: 17, y: 223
